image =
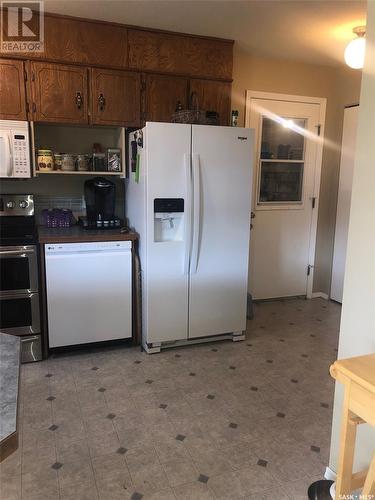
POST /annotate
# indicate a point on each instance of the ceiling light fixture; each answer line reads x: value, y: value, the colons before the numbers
x: 355, y: 50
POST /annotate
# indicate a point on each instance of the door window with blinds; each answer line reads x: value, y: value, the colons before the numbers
x: 281, y: 162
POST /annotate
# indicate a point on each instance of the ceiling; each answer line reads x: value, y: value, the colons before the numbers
x: 313, y: 31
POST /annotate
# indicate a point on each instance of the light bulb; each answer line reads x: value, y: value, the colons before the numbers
x: 355, y: 53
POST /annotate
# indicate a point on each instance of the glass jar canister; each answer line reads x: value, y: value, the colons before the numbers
x: 68, y: 162
x: 58, y: 160
x: 45, y: 160
x: 82, y: 162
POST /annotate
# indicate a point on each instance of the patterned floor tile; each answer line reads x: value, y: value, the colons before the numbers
x: 212, y: 411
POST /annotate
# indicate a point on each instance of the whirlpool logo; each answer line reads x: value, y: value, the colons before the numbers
x: 242, y: 138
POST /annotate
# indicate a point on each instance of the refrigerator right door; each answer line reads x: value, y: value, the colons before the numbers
x: 222, y: 182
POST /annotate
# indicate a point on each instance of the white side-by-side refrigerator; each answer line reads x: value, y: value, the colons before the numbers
x: 188, y: 196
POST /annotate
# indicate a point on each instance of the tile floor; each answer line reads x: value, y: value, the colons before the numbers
x: 246, y: 420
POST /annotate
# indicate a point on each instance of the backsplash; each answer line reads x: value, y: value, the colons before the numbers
x: 60, y: 192
x: 74, y: 203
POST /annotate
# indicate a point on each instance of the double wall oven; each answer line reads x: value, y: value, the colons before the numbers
x: 19, y: 283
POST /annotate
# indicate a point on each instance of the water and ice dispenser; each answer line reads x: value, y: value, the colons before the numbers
x: 168, y: 219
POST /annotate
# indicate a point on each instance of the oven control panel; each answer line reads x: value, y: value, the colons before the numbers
x: 16, y: 204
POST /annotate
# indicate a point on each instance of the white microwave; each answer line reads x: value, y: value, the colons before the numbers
x: 14, y: 149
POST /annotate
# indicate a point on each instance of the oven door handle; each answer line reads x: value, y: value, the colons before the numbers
x: 5, y: 253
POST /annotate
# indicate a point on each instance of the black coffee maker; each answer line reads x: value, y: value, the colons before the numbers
x: 100, y: 198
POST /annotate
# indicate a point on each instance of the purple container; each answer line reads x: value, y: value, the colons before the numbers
x: 57, y: 217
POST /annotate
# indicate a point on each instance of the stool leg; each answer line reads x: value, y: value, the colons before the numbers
x: 369, y: 486
x: 347, y: 440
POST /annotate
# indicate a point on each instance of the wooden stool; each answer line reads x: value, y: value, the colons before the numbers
x: 358, y: 376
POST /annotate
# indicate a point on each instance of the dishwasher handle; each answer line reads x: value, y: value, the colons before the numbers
x: 88, y: 247
x: 88, y: 253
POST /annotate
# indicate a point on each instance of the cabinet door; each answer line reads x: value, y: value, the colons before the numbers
x: 179, y: 54
x: 12, y: 94
x: 89, y: 42
x: 162, y: 95
x: 115, y: 97
x: 59, y: 93
x: 213, y: 96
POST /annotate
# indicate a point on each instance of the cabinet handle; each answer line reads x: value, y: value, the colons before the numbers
x: 79, y: 100
x: 101, y: 102
x: 34, y: 107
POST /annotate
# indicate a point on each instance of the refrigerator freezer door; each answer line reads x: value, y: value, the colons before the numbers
x: 222, y: 178
x: 168, y: 191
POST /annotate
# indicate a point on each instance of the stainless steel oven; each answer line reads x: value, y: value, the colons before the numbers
x: 18, y: 269
x: 19, y: 297
x: 20, y: 313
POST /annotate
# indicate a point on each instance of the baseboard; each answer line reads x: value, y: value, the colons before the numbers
x: 319, y: 295
x: 329, y: 474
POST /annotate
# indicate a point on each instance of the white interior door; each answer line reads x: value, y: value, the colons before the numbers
x: 221, y: 171
x: 343, y: 201
x: 283, y: 199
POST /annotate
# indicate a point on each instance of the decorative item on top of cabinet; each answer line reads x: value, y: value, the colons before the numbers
x: 115, y: 97
x: 89, y: 42
x: 213, y: 96
x: 12, y: 94
x: 180, y: 54
x: 194, y: 114
x: 59, y: 93
x: 162, y: 93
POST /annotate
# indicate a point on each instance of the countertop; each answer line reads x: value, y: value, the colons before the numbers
x: 9, y: 375
x: 77, y: 234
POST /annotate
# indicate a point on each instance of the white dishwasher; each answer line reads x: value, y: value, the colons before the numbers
x: 89, y: 292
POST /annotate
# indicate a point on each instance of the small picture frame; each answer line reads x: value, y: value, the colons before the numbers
x: 114, y: 160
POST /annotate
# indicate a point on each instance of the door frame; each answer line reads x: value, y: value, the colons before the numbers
x: 322, y: 102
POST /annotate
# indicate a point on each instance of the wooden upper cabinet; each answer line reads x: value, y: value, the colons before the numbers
x: 12, y: 90
x: 91, y: 43
x: 213, y: 96
x: 180, y: 54
x: 70, y: 40
x: 161, y: 96
x: 59, y: 93
x: 115, y: 97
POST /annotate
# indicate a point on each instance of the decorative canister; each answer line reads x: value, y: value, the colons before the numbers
x: 45, y: 160
x: 82, y: 162
x: 58, y: 160
x: 68, y: 162
x: 98, y: 162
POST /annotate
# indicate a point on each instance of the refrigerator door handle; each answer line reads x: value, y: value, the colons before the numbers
x: 196, y: 213
x: 187, y: 208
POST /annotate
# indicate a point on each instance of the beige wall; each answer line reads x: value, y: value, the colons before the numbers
x: 357, y: 331
x: 340, y: 87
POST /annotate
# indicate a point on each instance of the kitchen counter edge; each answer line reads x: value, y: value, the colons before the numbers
x: 78, y: 235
